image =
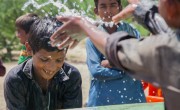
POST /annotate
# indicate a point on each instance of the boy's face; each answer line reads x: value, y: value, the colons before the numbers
x: 107, y: 9
x: 47, y: 64
x: 21, y: 34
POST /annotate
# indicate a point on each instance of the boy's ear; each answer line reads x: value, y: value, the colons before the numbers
x: 96, y: 11
x: 28, y: 48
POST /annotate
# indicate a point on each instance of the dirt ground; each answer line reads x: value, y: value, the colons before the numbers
x: 75, y: 57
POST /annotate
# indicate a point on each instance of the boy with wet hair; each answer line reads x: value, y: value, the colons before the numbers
x: 110, y: 86
x: 23, y: 24
x: 44, y: 82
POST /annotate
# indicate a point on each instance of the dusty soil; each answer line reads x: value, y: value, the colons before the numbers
x: 76, y: 57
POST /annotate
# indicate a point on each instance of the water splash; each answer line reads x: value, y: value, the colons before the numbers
x: 67, y: 12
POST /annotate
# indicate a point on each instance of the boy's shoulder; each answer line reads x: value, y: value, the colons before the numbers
x: 15, y: 75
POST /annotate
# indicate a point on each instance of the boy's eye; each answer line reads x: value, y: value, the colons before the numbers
x: 102, y: 6
x: 114, y: 5
x: 59, y: 61
x: 44, y: 60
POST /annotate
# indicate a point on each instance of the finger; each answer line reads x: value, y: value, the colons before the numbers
x: 123, y: 14
x: 65, y: 43
x: 63, y: 18
x: 74, y: 44
x: 59, y: 39
x: 59, y: 31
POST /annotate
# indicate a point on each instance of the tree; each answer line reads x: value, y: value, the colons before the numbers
x: 9, y: 11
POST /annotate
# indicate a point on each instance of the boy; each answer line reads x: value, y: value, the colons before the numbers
x: 44, y: 82
x: 110, y: 86
x: 23, y: 24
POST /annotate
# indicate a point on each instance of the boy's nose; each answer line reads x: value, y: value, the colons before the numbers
x: 108, y: 10
x: 51, y: 66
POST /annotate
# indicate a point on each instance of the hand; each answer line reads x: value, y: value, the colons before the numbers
x: 105, y: 63
x: 133, y: 1
x: 70, y: 33
x: 126, y: 12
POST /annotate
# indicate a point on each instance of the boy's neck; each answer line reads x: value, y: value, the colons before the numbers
x: 110, y: 30
x: 44, y: 84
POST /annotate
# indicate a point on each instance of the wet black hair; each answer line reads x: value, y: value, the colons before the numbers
x: 40, y: 33
x: 25, y: 21
x: 96, y: 3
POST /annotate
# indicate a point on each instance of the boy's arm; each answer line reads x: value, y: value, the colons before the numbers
x: 14, y: 92
x: 94, y: 65
x: 146, y: 14
x: 73, y: 94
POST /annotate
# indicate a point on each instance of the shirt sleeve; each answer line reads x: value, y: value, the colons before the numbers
x: 148, y: 16
x: 94, y: 65
x: 73, y: 93
x: 151, y: 59
x: 14, y: 92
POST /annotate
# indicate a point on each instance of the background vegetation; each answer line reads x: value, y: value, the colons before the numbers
x: 11, y: 9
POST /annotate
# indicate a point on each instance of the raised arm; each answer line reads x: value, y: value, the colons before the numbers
x: 146, y: 14
x: 75, y: 27
x: 148, y: 59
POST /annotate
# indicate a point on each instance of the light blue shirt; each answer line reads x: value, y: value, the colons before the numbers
x: 111, y: 86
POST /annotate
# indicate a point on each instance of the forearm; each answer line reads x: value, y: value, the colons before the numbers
x: 97, y: 37
x: 138, y: 57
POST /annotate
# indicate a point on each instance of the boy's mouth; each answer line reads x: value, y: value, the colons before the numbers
x: 48, y: 72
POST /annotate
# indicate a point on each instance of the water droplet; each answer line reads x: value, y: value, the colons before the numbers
x: 134, y: 79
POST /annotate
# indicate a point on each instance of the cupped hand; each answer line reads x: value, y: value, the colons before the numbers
x: 70, y: 33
